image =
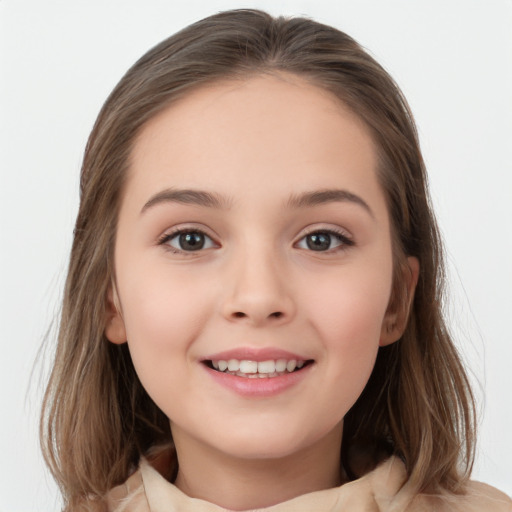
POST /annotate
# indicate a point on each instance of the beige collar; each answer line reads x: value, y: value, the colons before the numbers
x: 381, y: 490
x: 377, y: 491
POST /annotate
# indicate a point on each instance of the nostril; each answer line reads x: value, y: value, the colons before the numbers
x: 241, y: 314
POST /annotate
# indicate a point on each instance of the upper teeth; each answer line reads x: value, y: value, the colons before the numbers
x: 267, y: 367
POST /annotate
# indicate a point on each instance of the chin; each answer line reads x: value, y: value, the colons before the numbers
x: 269, y: 443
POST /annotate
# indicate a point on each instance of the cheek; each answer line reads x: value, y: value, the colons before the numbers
x: 159, y: 318
x: 346, y: 312
x: 160, y: 327
x: 348, y: 320
x: 350, y: 307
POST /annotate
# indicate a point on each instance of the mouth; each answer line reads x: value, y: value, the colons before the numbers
x: 250, y: 369
x: 258, y: 373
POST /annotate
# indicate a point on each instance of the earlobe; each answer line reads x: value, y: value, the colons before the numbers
x: 114, y: 324
x: 395, y: 321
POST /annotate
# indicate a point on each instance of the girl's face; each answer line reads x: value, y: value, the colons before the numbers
x: 253, y: 233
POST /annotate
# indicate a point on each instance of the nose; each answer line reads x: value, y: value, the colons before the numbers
x: 258, y: 291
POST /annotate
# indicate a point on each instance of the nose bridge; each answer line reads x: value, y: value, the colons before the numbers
x: 258, y: 289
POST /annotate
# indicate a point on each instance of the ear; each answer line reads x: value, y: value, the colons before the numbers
x: 114, y: 324
x: 395, y: 321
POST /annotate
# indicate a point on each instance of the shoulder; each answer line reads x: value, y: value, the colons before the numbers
x: 483, y: 495
x: 132, y: 495
x: 129, y: 496
x: 392, y: 492
x: 478, y: 497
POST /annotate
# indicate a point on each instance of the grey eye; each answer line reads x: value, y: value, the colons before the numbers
x: 323, y: 241
x: 190, y: 241
x: 319, y: 241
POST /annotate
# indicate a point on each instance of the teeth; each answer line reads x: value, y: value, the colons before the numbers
x: 233, y: 365
x: 255, y: 369
x: 280, y: 365
x: 290, y: 365
x: 248, y: 367
x: 266, y: 367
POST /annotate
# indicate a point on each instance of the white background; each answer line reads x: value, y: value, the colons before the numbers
x: 59, y: 61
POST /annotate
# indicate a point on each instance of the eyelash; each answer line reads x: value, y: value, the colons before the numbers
x: 341, y: 236
x: 345, y: 241
x: 167, y: 237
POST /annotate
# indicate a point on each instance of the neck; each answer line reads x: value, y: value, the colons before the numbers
x: 242, y: 484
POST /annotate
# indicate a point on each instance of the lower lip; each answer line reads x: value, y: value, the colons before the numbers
x: 259, y: 387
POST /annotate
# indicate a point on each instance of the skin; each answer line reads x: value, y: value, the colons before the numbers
x: 256, y: 283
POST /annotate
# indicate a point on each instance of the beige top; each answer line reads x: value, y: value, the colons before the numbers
x: 380, y: 490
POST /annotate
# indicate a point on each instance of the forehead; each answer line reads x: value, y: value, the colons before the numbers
x: 248, y: 134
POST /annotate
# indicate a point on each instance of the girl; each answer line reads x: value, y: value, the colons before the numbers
x: 252, y: 312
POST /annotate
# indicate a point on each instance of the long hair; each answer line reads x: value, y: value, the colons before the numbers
x: 97, y: 419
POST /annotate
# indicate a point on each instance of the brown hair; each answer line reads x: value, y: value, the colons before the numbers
x: 98, y: 420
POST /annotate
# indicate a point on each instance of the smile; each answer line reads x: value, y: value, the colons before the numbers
x: 257, y: 369
x: 257, y: 372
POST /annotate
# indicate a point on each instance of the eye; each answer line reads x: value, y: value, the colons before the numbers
x: 324, y: 240
x: 189, y: 240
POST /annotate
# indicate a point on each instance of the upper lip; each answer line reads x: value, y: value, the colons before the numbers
x: 255, y: 354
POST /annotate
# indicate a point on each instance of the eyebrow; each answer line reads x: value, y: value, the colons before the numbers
x: 187, y: 196
x: 212, y: 200
x: 319, y: 197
